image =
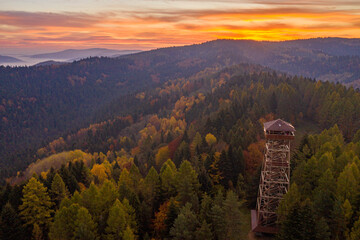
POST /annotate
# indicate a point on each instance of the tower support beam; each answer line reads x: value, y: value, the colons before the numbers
x: 275, y: 175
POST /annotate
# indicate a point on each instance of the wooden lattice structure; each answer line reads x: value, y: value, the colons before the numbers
x: 275, y: 175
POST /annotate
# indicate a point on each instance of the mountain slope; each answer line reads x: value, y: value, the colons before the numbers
x: 42, y: 103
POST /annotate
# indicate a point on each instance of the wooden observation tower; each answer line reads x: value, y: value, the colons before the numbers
x: 275, y: 175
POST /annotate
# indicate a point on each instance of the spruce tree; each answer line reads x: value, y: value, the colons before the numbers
x: 36, y: 207
x: 10, y: 224
x: 63, y: 226
x: 232, y: 216
x: 58, y: 190
x: 185, y: 224
x: 85, y: 227
x: 187, y: 183
x: 116, y: 222
x: 204, y: 232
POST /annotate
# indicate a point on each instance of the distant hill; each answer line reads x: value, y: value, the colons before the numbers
x: 50, y: 62
x: 7, y: 59
x: 76, y: 54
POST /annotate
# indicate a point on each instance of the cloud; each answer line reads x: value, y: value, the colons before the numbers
x: 150, y: 28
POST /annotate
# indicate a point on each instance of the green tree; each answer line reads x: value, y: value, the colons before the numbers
x: 37, y: 233
x: 204, y: 232
x: 130, y: 214
x: 85, y: 227
x: 90, y: 200
x: 300, y: 224
x: 128, y: 234
x: 205, y: 208
x: 291, y: 199
x: 355, y: 231
x: 185, y: 224
x: 324, y: 194
x: 64, y: 223
x: 232, y: 216
x: 10, y: 224
x: 167, y: 180
x: 347, y: 184
x: 58, y: 190
x: 36, y: 206
x: 217, y: 222
x: 151, y: 186
x: 187, y: 183
x: 116, y: 222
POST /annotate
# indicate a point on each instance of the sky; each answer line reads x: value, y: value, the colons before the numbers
x: 44, y: 25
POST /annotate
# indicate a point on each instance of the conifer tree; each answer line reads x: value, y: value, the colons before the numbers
x: 58, y: 190
x: 128, y: 234
x: 36, y: 233
x: 90, y: 200
x: 64, y: 223
x: 36, y: 207
x: 85, y: 227
x: 167, y: 180
x: 10, y: 224
x: 187, y: 183
x: 116, y: 222
x: 151, y: 186
x: 355, y: 231
x: 171, y: 215
x: 204, y: 232
x: 232, y: 216
x: 217, y: 222
x: 185, y: 224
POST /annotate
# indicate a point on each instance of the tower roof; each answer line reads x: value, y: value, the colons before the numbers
x: 279, y: 125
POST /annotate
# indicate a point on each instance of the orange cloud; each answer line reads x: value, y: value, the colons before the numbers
x: 152, y: 29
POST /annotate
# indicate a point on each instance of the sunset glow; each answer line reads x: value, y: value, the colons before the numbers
x: 146, y: 24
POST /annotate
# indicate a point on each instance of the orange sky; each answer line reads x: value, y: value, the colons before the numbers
x: 146, y: 24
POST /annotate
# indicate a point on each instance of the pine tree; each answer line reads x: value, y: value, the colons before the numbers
x: 226, y: 169
x: 90, y: 200
x: 185, y: 224
x: 355, y: 231
x: 273, y: 103
x: 232, y: 216
x: 300, y: 224
x: 85, y: 227
x: 108, y: 193
x: 36, y: 233
x: 58, y: 190
x: 151, y: 186
x: 36, y: 207
x: 64, y: 223
x: 171, y: 215
x: 167, y: 180
x: 204, y: 232
x: 10, y: 224
x: 217, y: 222
x: 116, y: 223
x: 291, y: 199
x: 324, y: 194
x: 187, y: 183
x: 128, y: 234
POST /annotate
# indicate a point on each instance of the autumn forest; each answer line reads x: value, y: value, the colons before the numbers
x: 169, y: 144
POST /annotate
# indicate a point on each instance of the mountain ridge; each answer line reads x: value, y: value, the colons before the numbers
x: 77, y: 54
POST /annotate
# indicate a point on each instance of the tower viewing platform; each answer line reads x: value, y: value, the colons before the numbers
x: 275, y: 175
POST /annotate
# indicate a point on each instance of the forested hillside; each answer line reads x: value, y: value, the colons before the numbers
x: 182, y: 161
x: 41, y: 103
